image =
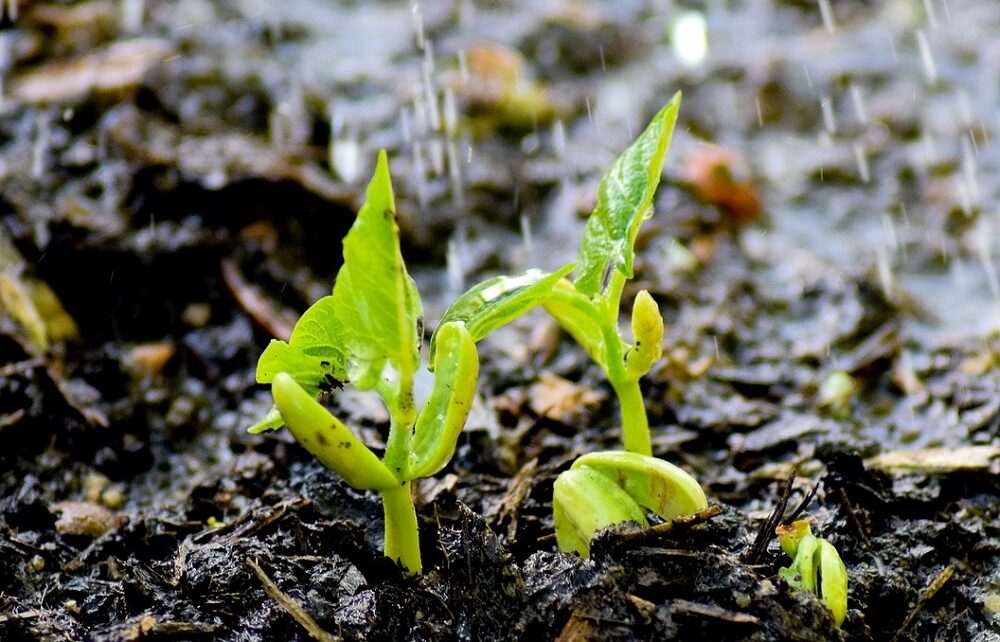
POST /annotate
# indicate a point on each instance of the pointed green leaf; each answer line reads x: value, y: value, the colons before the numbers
x: 624, y: 197
x: 498, y: 301
x: 375, y: 300
x: 271, y: 421
x: 653, y: 483
x: 313, y: 355
x: 456, y: 369
x: 585, y: 501
x: 328, y: 439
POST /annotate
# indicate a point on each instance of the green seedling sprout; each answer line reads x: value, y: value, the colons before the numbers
x: 612, y: 487
x: 588, y: 306
x: 836, y: 393
x: 368, y: 332
x: 816, y: 567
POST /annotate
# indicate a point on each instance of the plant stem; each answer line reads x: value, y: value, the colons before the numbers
x: 635, y: 425
x: 402, y: 542
x: 402, y: 416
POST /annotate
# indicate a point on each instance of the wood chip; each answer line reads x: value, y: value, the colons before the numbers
x: 118, y: 66
x: 85, y: 518
x: 713, y: 612
x: 149, y: 359
x: 938, y: 460
x: 293, y: 608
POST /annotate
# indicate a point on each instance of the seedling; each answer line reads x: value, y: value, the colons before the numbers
x: 368, y: 332
x: 588, y: 306
x: 816, y: 567
x: 611, y: 487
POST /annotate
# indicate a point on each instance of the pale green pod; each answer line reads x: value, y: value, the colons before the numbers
x: 456, y: 369
x: 816, y: 567
x: 657, y: 485
x: 647, y: 331
x: 833, y: 580
x: 585, y: 501
x: 330, y: 441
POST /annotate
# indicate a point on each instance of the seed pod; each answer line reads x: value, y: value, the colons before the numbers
x: 654, y: 484
x: 647, y: 329
x: 585, y: 501
x: 327, y: 438
x: 611, y: 487
x: 456, y: 368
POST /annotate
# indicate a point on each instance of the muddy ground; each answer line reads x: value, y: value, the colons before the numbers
x: 176, y: 177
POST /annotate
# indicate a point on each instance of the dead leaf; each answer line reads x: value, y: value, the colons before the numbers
x: 717, y: 175
x: 562, y: 400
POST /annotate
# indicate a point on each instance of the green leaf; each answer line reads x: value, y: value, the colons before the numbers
x: 498, y: 301
x: 271, y: 421
x: 330, y: 441
x: 456, y: 369
x: 624, y: 197
x: 375, y: 300
x: 585, y: 501
x: 313, y: 355
x: 578, y: 316
x: 653, y: 483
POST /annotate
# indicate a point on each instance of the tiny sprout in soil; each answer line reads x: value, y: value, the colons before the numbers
x: 367, y: 332
x: 816, y: 567
x: 588, y: 306
x: 589, y: 497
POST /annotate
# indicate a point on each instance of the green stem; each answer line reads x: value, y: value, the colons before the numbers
x: 635, y: 425
x: 402, y: 541
x: 402, y: 417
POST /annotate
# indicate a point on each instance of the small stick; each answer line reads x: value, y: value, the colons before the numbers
x: 932, y: 589
x: 687, y: 521
x: 766, y: 531
x: 803, y: 505
x: 291, y: 606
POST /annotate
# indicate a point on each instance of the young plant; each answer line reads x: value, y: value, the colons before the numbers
x: 368, y: 332
x: 588, y: 306
x: 816, y: 567
x: 611, y: 487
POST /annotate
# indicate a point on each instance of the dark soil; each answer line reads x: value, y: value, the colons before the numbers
x: 169, y: 179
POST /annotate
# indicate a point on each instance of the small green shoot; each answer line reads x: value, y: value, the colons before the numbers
x: 612, y: 487
x: 368, y: 332
x: 816, y: 567
x: 588, y: 306
x: 837, y: 392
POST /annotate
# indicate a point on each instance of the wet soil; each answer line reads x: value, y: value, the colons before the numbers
x: 177, y: 177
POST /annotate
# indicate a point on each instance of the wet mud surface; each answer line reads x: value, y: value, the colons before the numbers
x: 175, y: 179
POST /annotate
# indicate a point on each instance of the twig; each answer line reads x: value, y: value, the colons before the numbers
x: 766, y: 531
x: 291, y: 606
x: 803, y: 504
x: 713, y: 612
x: 276, y: 319
x: 510, y: 506
x: 932, y: 589
x: 646, y: 534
